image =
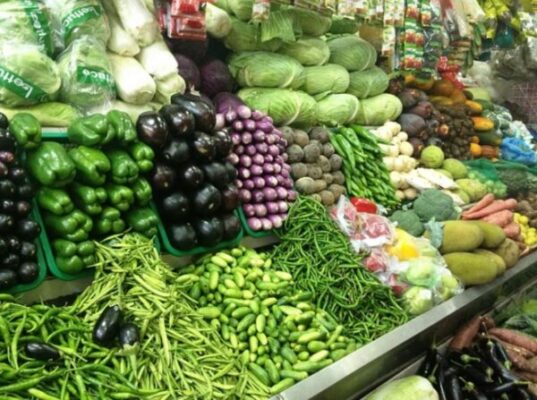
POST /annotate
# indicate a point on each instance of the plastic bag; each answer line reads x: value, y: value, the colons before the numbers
x: 365, y: 230
x: 515, y: 149
x: 83, y: 17
x: 86, y: 75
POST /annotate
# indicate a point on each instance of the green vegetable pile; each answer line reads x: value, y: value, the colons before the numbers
x: 281, y: 336
x: 520, y: 315
x: 320, y: 258
x: 365, y: 173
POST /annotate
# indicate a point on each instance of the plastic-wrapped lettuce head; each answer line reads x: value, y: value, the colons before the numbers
x: 307, y: 115
x: 87, y: 80
x: 264, y: 69
x: 246, y: 37
x: 28, y: 22
x: 27, y: 76
x: 242, y: 9
x: 329, y: 78
x: 311, y: 22
x: 83, y: 17
x: 337, y: 109
x: 282, y: 105
x: 307, y: 50
x: 351, y: 52
x: 368, y: 83
x: 418, y: 300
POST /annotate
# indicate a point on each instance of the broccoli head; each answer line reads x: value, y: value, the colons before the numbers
x: 409, y: 222
x: 432, y: 203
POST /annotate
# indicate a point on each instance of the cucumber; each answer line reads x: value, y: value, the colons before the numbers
x: 259, y: 373
x: 209, y: 312
x: 282, y: 385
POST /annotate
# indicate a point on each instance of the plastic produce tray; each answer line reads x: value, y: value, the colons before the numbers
x: 167, y: 246
x: 248, y: 230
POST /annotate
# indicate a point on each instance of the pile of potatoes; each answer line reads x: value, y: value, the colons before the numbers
x: 315, y: 166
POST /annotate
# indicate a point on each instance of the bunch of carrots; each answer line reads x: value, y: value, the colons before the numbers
x: 499, y: 212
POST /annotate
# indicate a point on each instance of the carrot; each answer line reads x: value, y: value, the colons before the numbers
x: 512, y: 230
x: 531, y: 365
x: 484, y: 202
x: 501, y: 218
x: 517, y: 360
x: 466, y: 334
x: 518, y: 350
x: 492, y: 208
x: 532, y: 377
x: 487, y: 322
x: 516, y: 338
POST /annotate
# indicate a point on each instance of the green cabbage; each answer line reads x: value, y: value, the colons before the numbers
x: 86, y: 77
x: 269, y: 70
x: 242, y: 9
x: 368, y: 83
x: 307, y: 51
x: 337, y: 109
x: 342, y: 25
x: 376, y: 111
x: 307, y: 115
x: 311, y: 22
x: 411, y: 387
x: 282, y: 105
x: 83, y: 17
x: 329, y: 78
x: 246, y: 37
x: 27, y: 76
x: 351, y: 52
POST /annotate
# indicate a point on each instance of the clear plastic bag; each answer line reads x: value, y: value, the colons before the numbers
x: 83, y: 17
x: 87, y: 80
x: 517, y: 150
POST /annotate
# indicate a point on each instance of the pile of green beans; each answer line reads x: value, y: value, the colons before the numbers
x: 85, y: 371
x: 365, y: 173
x: 179, y: 354
x: 281, y: 336
x: 320, y: 258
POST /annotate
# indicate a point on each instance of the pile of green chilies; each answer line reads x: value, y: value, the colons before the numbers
x: 320, y: 258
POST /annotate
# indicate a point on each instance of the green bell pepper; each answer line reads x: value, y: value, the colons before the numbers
x: 142, y: 191
x: 71, y: 257
x: 143, y: 220
x: 92, y: 165
x: 88, y: 199
x: 50, y: 165
x: 56, y: 201
x: 121, y: 197
x: 86, y: 251
x: 74, y: 226
x: 109, y: 222
x: 143, y: 155
x: 125, y: 132
x: 124, y: 169
x: 91, y: 131
x: 26, y: 129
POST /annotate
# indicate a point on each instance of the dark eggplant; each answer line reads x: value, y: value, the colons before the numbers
x: 191, y: 176
x: 209, y: 231
x: 7, y: 222
x: 7, y: 141
x: 24, y: 209
x: 25, y: 191
x: 202, y: 111
x: 3, y: 246
x: 163, y: 178
x: 497, y: 389
x: 216, y: 174
x: 4, y: 170
x: 230, y: 198
x: 17, y: 175
x: 4, y: 122
x: 28, y: 251
x: 222, y: 143
x: 7, y: 157
x: 28, y: 272
x: 7, y: 189
x: 28, y: 229
x: 207, y: 200
x: 487, y: 350
x: 232, y: 226
x: 14, y: 244
x: 152, y: 129
x: 8, y: 278
x: 175, y: 207
x: 129, y: 335
x: 428, y: 365
x: 8, y: 206
x: 231, y: 170
x: 176, y: 152
x: 454, y: 387
x: 41, y: 351
x: 203, y: 146
x: 181, y: 123
x: 11, y: 261
x: 183, y: 237
x: 106, y: 328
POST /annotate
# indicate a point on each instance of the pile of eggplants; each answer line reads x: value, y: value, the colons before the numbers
x: 18, y: 231
x: 264, y: 180
x: 192, y: 180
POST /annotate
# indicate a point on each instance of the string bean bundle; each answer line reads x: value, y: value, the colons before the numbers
x: 320, y: 258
